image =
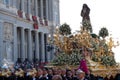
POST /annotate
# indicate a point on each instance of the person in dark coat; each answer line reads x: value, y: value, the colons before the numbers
x: 50, y: 74
x: 39, y: 73
x: 90, y: 76
x: 100, y: 78
x: 33, y: 77
x: 80, y: 75
x: 112, y: 78
x: 44, y: 75
x: 63, y: 74
x: 69, y: 75
x: 117, y: 77
x: 106, y: 78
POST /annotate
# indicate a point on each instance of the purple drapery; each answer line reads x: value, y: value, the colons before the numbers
x: 83, y: 66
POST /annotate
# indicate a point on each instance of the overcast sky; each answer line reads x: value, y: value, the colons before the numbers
x: 104, y: 13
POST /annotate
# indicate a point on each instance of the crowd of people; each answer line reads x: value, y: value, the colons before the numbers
x: 32, y: 71
x: 50, y: 74
x: 42, y: 74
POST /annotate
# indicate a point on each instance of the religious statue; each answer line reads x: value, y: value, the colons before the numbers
x: 85, y: 18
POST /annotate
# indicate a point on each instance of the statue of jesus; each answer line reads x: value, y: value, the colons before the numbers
x: 85, y: 18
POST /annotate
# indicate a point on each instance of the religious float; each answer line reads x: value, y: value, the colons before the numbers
x: 71, y: 49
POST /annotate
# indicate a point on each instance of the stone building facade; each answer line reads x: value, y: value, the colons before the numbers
x: 24, y: 28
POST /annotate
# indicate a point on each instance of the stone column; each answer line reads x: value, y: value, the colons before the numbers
x: 48, y: 53
x: 49, y: 10
x: 29, y: 6
x: 41, y: 6
x: 22, y: 5
x: 22, y: 43
x: 36, y: 7
x: 15, y: 43
x: 7, y: 3
x: 1, y: 40
x: 36, y: 45
x: 45, y: 40
x: 14, y: 3
x: 30, y: 45
x: 40, y: 51
x: 22, y: 8
x: 26, y: 43
x: 46, y: 9
x: 42, y: 47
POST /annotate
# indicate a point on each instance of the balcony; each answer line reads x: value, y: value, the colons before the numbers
x: 7, y: 9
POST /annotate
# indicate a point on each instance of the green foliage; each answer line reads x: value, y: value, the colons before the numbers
x: 87, y: 25
x: 94, y: 35
x: 95, y: 58
x: 65, y: 59
x: 104, y: 45
x: 103, y: 32
x: 95, y: 46
x: 108, y: 60
x: 65, y: 29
